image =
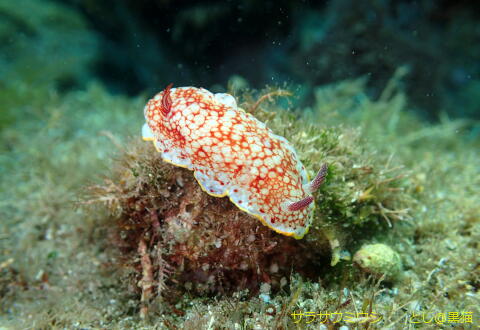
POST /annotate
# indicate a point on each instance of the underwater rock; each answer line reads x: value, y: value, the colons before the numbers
x: 378, y: 260
x: 174, y: 238
x: 194, y: 241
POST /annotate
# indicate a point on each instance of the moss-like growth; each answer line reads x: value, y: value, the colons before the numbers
x: 204, y: 243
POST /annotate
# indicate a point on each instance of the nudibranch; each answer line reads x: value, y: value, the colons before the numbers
x: 233, y: 154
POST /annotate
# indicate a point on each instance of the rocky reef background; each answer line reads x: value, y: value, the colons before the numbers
x: 388, y: 92
x: 146, y: 43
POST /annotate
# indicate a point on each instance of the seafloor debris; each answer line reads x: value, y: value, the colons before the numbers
x: 379, y: 260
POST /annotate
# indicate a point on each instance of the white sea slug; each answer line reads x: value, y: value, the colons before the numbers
x: 233, y: 154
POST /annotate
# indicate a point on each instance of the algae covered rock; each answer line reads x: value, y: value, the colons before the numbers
x: 175, y: 238
x: 194, y: 241
x: 379, y: 260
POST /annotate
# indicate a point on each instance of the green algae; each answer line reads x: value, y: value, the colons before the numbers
x: 56, y: 262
